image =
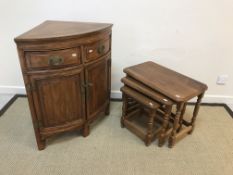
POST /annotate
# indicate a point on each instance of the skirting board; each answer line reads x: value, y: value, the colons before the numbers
x: 117, y: 95
x: 12, y: 90
x: 228, y: 109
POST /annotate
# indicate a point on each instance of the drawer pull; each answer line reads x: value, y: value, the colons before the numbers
x: 101, y: 49
x: 55, y: 61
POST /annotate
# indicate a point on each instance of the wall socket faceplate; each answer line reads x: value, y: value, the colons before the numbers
x: 222, y: 79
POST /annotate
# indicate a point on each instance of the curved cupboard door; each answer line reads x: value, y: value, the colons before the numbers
x: 59, y: 100
x: 97, y: 81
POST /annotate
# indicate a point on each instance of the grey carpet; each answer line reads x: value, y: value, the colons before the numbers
x: 4, y: 98
x: 111, y: 150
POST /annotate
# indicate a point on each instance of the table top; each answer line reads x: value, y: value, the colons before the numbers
x: 172, y: 84
x: 61, y: 29
x: 140, y: 87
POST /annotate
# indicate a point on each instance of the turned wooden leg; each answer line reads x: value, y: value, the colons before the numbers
x: 195, y: 112
x: 86, y: 130
x: 175, y: 125
x: 181, y: 117
x: 165, y: 125
x: 150, y: 125
x: 124, y: 109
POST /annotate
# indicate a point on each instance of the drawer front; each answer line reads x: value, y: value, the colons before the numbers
x: 97, y: 49
x: 53, y: 59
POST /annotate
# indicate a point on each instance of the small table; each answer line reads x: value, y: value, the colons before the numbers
x: 175, y: 86
x: 165, y: 105
x: 133, y: 101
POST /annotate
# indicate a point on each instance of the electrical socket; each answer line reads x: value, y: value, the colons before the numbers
x: 222, y: 79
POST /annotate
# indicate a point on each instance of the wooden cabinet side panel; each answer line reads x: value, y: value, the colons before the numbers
x: 40, y: 141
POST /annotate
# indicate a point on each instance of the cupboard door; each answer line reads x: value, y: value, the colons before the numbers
x: 97, y: 81
x: 59, y: 100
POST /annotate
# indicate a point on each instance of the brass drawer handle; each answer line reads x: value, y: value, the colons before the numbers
x: 55, y: 60
x: 101, y: 49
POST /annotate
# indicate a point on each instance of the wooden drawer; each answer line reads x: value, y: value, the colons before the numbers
x: 97, y: 49
x: 52, y: 59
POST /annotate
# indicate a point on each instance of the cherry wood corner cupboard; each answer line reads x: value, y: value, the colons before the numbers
x: 66, y: 68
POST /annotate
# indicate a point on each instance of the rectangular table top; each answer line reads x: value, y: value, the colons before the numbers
x: 172, y: 84
x: 140, y: 87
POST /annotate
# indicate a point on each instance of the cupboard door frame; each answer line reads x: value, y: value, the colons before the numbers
x: 76, y: 75
x: 91, y: 115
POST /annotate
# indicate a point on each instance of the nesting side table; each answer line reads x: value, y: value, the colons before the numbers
x: 132, y: 99
x: 175, y: 86
x: 164, y: 110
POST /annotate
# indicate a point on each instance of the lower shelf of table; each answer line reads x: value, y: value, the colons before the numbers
x: 137, y: 123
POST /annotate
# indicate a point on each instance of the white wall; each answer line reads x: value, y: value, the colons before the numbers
x: 194, y: 37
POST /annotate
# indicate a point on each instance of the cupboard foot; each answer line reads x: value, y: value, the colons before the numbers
x: 86, y: 131
x: 107, y: 110
x: 41, y: 144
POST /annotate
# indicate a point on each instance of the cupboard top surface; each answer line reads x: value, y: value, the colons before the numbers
x: 56, y: 30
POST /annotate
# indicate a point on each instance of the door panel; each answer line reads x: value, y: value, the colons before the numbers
x: 97, y: 90
x: 59, y: 98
